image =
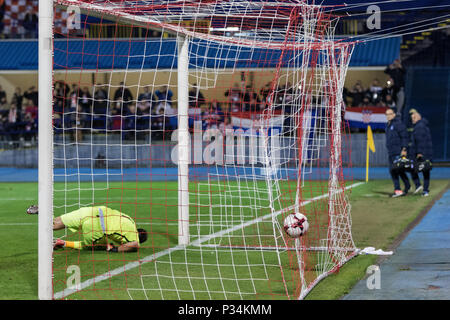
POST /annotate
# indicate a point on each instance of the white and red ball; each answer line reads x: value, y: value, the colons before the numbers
x: 296, y: 225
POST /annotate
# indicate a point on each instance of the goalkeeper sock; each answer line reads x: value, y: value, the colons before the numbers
x: 73, y: 244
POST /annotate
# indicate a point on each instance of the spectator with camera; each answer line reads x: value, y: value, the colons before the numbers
x: 397, y: 73
x: 421, y: 149
x: 374, y: 92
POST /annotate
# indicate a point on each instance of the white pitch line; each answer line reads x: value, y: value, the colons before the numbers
x: 18, y: 224
x: 64, y: 293
x: 98, y: 199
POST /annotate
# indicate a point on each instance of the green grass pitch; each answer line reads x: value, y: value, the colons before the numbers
x: 377, y: 221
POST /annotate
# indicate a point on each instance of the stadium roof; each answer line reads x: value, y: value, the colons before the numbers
x: 136, y: 54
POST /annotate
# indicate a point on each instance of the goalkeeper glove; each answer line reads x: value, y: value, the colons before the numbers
x: 58, y: 243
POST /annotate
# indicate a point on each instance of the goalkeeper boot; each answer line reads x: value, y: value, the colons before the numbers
x: 33, y: 209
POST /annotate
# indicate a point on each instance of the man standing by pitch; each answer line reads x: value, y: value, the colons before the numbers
x: 421, y: 148
x: 396, y: 143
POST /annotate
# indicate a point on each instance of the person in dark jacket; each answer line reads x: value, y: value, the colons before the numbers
x: 396, y: 143
x: 397, y: 73
x: 421, y: 147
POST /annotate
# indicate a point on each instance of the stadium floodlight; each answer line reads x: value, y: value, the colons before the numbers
x: 208, y: 122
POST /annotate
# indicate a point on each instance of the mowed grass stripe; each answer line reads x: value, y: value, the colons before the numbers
x: 66, y: 292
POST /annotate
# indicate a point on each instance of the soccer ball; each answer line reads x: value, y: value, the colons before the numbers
x: 296, y: 225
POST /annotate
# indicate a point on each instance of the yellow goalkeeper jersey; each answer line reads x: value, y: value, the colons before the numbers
x: 100, y: 224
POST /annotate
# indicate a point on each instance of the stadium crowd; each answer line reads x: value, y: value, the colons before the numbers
x: 391, y: 95
x: 18, y: 19
x: 106, y: 107
x: 19, y: 116
x: 116, y: 109
x: 78, y: 109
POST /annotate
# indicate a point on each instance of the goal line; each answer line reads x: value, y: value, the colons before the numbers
x: 107, y: 275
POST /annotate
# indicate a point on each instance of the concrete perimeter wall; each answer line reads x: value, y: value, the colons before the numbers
x: 158, y: 154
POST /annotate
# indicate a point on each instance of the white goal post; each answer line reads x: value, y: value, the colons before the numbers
x: 45, y: 239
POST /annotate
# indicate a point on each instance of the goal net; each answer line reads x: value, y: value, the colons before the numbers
x: 207, y: 122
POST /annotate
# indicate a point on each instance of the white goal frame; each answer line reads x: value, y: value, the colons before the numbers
x: 46, y: 175
x: 45, y: 241
x: 45, y: 136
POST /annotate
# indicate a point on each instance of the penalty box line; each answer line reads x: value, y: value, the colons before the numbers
x: 68, y: 291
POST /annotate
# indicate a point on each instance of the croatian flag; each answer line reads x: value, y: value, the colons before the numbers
x: 361, y: 117
x: 250, y: 120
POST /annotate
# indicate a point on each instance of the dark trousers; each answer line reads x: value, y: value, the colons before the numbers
x: 396, y: 175
x: 426, y: 180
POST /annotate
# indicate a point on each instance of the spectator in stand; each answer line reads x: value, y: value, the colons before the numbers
x: 31, y: 108
x: 196, y: 98
x: 163, y: 107
x: 144, y: 108
x: 32, y: 94
x: 389, y: 102
x: 79, y: 122
x: 13, y: 30
x: 101, y: 99
x: 254, y: 104
x: 366, y: 101
x: 389, y: 90
x: 130, y: 122
x: 163, y: 111
x: 225, y: 125
x: 265, y: 91
x: 61, y: 93
x: 164, y: 94
x: 85, y: 100
x: 375, y: 92
x: 29, y: 127
x: 357, y: 94
x: 123, y: 95
x: 3, y: 101
x: 159, y: 123
x: 72, y: 108
x: 397, y: 72
x: 100, y: 107
x: 84, y: 113
x: 288, y: 98
x: 251, y: 100
x: 2, y: 15
x: 30, y: 23
x: 13, y: 123
x: 234, y: 96
x: 212, y: 116
x: 345, y: 96
x: 145, y: 101
x: 17, y: 98
x: 13, y: 114
x: 2, y: 124
x: 116, y: 111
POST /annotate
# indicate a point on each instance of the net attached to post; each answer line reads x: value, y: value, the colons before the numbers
x: 265, y: 139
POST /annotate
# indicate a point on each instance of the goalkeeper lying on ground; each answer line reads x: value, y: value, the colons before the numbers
x: 101, y: 228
